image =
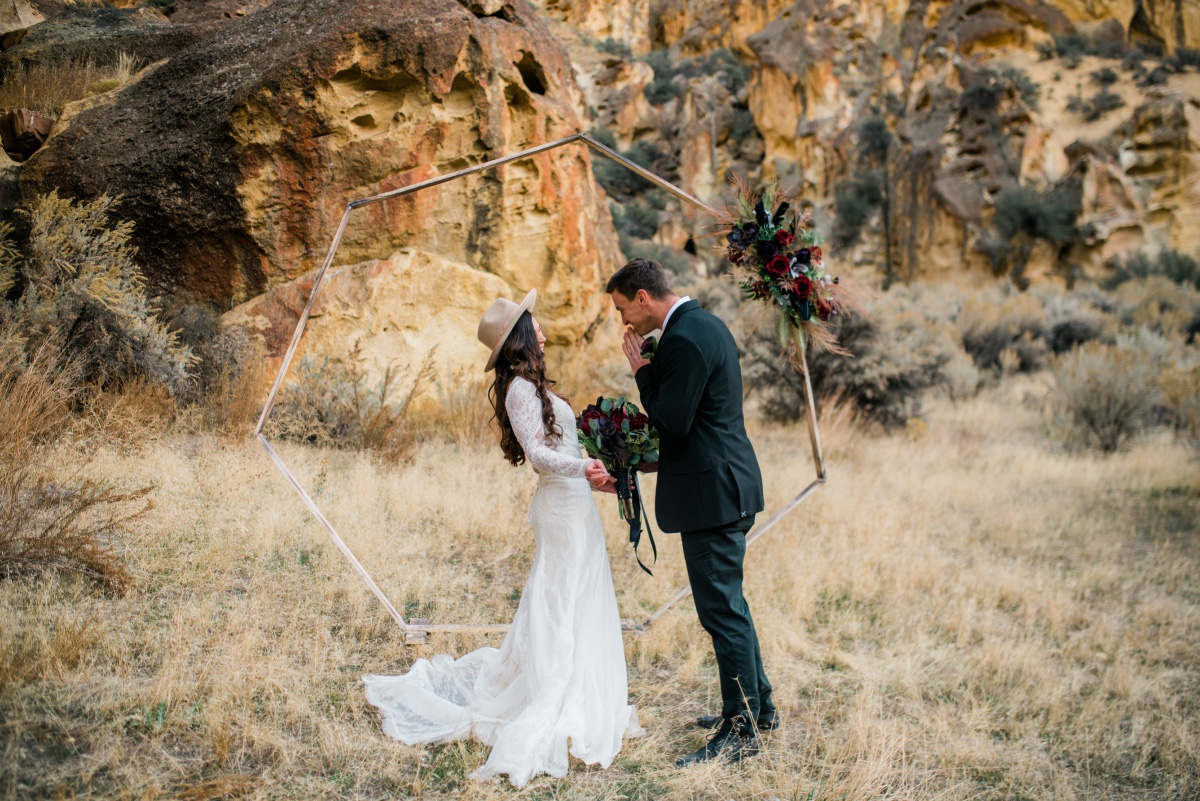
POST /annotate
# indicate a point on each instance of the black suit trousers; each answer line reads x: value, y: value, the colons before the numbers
x: 714, y: 558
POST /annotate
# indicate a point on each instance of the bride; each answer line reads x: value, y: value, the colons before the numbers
x: 557, y: 684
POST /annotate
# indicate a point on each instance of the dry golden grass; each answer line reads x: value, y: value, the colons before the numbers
x: 48, y: 87
x: 963, y: 612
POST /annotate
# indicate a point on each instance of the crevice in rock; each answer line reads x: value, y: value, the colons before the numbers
x: 532, y: 73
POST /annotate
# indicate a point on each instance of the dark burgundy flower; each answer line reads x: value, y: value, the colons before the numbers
x: 803, y: 286
x: 783, y: 238
x: 778, y: 266
x: 767, y: 250
x: 804, y: 256
x: 735, y: 254
x: 823, y: 308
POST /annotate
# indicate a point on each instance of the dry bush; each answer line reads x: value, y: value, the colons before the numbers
x: 993, y: 323
x: 84, y: 293
x: 1159, y: 304
x: 461, y: 412
x: 1180, y: 392
x: 1107, y: 392
x: 966, y: 615
x: 335, y: 403
x: 897, y: 354
x: 48, y: 522
x: 47, y: 86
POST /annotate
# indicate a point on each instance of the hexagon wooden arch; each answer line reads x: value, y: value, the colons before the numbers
x: 417, y: 629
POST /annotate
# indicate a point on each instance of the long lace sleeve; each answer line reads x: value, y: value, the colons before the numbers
x: 525, y: 413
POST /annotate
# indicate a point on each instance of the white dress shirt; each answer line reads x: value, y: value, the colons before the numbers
x: 671, y: 311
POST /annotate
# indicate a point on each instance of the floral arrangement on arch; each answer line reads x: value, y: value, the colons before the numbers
x: 778, y: 260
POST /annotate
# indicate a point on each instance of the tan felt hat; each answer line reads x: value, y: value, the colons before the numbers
x: 498, y: 322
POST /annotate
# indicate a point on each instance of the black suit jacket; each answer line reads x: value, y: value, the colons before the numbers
x: 708, y: 474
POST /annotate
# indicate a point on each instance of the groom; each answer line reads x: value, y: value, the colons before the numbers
x: 709, y: 484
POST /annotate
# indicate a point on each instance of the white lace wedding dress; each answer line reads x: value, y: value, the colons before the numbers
x: 557, y: 683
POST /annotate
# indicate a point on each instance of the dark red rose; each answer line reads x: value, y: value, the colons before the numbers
x: 778, y: 266
x: 783, y: 238
x: 639, y: 421
x: 803, y: 286
x: 823, y: 308
x: 619, y: 416
x: 816, y: 254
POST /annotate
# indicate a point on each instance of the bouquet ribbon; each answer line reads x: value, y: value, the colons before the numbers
x: 635, y: 524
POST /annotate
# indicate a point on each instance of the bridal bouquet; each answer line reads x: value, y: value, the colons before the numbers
x: 620, y: 435
x: 778, y: 260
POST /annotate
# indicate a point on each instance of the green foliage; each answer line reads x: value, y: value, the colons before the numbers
x: 730, y: 72
x: 668, y: 257
x: 1048, y: 215
x: 636, y: 220
x: 615, y: 47
x: 874, y: 138
x: 661, y: 90
x: 83, y: 292
x: 1170, y: 264
x: 621, y: 182
x: 855, y: 200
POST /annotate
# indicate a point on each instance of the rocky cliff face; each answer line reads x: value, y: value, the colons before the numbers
x: 917, y: 116
x: 237, y: 157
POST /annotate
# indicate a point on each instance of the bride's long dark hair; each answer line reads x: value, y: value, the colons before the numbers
x: 521, y: 357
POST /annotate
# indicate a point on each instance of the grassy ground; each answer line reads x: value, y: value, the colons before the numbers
x: 964, y: 611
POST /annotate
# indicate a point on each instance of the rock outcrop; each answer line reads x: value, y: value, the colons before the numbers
x: 974, y: 101
x: 236, y: 159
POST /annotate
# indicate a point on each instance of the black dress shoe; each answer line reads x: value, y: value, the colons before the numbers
x: 767, y: 722
x: 731, y: 742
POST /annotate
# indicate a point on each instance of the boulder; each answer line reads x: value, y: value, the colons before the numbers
x: 237, y: 157
x: 23, y: 131
x: 101, y: 36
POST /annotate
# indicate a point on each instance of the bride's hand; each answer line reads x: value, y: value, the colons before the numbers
x: 599, y: 477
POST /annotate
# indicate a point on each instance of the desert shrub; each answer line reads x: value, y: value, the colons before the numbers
x: 855, y: 199
x: 1107, y: 393
x: 980, y: 98
x: 621, y: 182
x: 992, y: 325
x: 1170, y: 264
x: 1179, y: 391
x: 1105, y: 76
x: 335, y: 403
x: 46, y: 86
x: 1159, y: 305
x: 635, y: 219
x: 673, y: 260
x: 84, y: 293
x: 48, y: 523
x: 896, y: 354
x: 1072, y: 47
x: 1026, y: 87
x: 741, y: 124
x: 1097, y: 106
x: 661, y: 90
x: 1072, y: 320
x: 1023, y: 214
x: 614, y: 47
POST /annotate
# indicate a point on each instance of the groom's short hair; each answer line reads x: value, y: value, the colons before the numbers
x: 638, y: 274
